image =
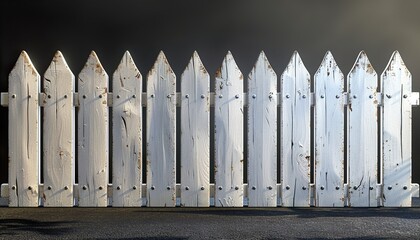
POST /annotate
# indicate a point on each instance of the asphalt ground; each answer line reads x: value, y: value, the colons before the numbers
x: 210, y: 223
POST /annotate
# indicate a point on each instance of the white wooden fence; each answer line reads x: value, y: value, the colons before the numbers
x: 359, y: 132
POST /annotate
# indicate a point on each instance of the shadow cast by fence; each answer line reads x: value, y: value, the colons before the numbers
x: 14, y: 226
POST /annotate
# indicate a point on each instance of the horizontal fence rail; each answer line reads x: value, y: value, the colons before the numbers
x: 359, y: 133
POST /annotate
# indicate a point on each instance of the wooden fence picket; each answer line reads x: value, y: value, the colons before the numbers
x: 195, y: 135
x: 58, y: 134
x: 93, y: 134
x: 262, y: 135
x: 161, y: 134
x: 396, y: 133
x: 228, y: 136
x: 127, y: 134
x: 362, y: 132
x: 24, y: 85
x: 295, y: 134
x: 329, y: 134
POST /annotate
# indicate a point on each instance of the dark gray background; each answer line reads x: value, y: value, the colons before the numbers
x: 210, y: 27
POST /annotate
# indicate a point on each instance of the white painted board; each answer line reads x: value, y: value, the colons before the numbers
x: 58, y: 134
x: 127, y: 134
x: 262, y: 134
x: 161, y: 134
x: 362, y: 133
x: 329, y: 134
x: 295, y: 134
x: 195, y: 135
x: 24, y: 86
x: 93, y: 134
x: 396, y: 133
x: 228, y: 108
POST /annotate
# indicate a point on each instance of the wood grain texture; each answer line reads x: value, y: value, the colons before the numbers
x: 127, y: 134
x: 161, y: 134
x: 58, y: 134
x: 229, y: 135
x: 93, y: 134
x: 24, y: 85
x: 295, y: 134
x: 329, y: 134
x: 262, y: 135
x: 396, y: 133
x: 362, y: 132
x: 195, y: 135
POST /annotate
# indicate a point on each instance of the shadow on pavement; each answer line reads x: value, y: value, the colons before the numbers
x: 11, y: 227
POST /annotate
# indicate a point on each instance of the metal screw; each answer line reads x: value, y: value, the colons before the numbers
x: 303, y: 96
x: 187, y: 188
x: 322, y: 188
x: 254, y: 96
x: 49, y: 187
x: 287, y: 187
x: 84, y: 96
x: 134, y: 96
x: 322, y: 96
x: 405, y: 96
x: 236, y: 187
x: 287, y: 96
x: 370, y: 188
x: 29, y: 188
x: 29, y: 96
x: 270, y: 96
x: 118, y: 96
x: 84, y: 187
x: 354, y: 96
x: 388, y: 96
x: 66, y: 188
x: 355, y: 188
x: 13, y: 187
x: 202, y: 188
x: 49, y: 96
x: 119, y: 187
x: 370, y: 96
x: 220, y: 96
x: 169, y: 96
x: 253, y: 187
x: 187, y: 96
x: 202, y: 96
x: 100, y: 188
x: 168, y: 188
x: 337, y: 188
x: 270, y: 187
x: 152, y: 95
x: 14, y: 96
x: 220, y: 187
x: 303, y: 188
x: 389, y: 187
x: 134, y: 187
x: 100, y: 96
x: 337, y: 96
x: 405, y: 187
x: 65, y: 96
x: 153, y: 188
x: 237, y: 96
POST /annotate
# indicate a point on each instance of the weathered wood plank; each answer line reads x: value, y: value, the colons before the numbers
x: 262, y: 135
x: 295, y: 134
x: 93, y: 134
x: 229, y: 135
x: 362, y: 133
x: 329, y: 134
x: 161, y: 134
x: 59, y: 134
x: 24, y: 84
x: 195, y: 135
x: 396, y: 133
x: 127, y: 134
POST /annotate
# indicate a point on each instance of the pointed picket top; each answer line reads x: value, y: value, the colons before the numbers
x: 25, y: 60
x: 328, y: 62
x: 57, y: 63
x: 296, y: 61
x: 227, y: 61
x: 362, y: 62
x: 262, y: 61
x: 395, y: 63
x: 161, y: 59
x: 127, y: 62
x: 195, y: 60
x: 93, y: 63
